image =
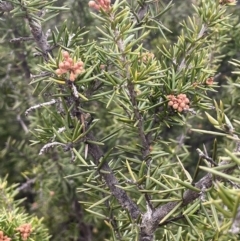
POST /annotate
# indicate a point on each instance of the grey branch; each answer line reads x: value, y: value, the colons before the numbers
x: 6, y: 6
x: 150, y: 224
x: 39, y: 37
x: 111, y: 181
x: 27, y: 184
x: 24, y: 127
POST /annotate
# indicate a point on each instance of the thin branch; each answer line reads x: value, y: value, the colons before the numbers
x: 111, y: 181
x: 21, y: 39
x: 145, y: 140
x: 42, y: 74
x: 39, y: 106
x: 22, y: 123
x: 85, y: 229
x: 112, y: 219
x: 38, y: 34
x: 74, y: 90
x: 49, y: 145
x: 132, y: 94
x: 147, y: 197
x: 27, y: 184
x: 206, y: 157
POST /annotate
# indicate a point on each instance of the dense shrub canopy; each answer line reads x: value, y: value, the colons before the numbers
x: 119, y: 120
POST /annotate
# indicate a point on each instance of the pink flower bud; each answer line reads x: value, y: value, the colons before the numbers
x: 67, y: 65
x: 175, y: 106
x: 65, y: 54
x: 91, y: 4
x: 78, y: 71
x: 80, y: 63
x: 58, y: 72
x: 72, y: 76
x: 182, y: 105
x: 61, y: 65
x: 170, y: 103
x: 180, y: 109
x: 70, y: 60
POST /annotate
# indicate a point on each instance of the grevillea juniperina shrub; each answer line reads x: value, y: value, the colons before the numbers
x: 126, y: 130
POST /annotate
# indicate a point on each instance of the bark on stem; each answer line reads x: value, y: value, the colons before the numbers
x: 38, y: 35
x: 150, y: 222
x: 111, y: 181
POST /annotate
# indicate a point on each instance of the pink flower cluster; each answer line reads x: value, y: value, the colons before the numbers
x: 179, y: 102
x: 25, y: 230
x: 68, y: 66
x: 4, y: 237
x: 146, y: 56
x: 97, y: 4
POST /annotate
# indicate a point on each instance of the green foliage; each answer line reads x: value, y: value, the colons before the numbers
x: 111, y: 144
x: 12, y: 216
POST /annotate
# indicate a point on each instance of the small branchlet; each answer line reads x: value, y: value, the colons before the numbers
x: 21, y: 39
x: 43, y: 74
x: 50, y: 145
x: 60, y: 130
x: 26, y: 185
x: 206, y: 157
x: 52, y: 102
x: 65, y: 147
